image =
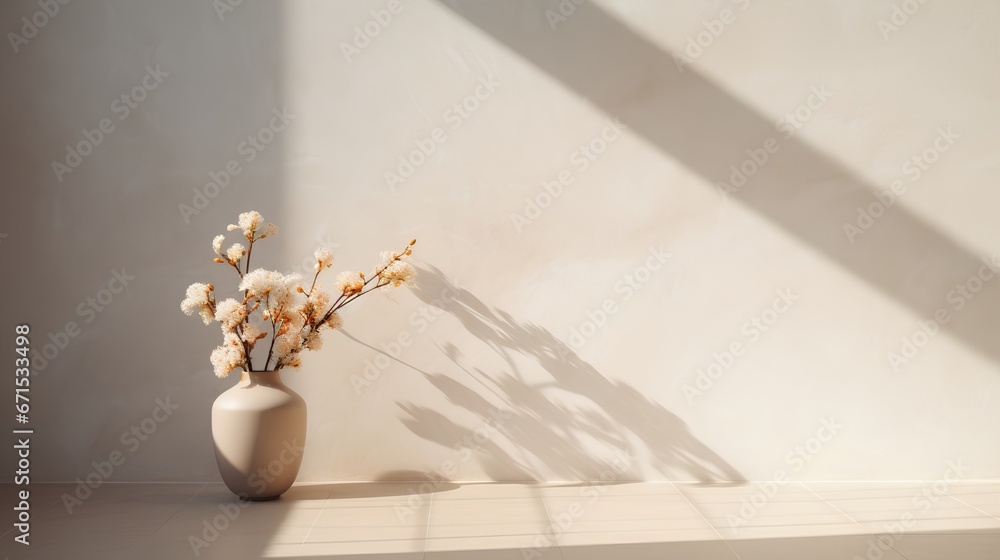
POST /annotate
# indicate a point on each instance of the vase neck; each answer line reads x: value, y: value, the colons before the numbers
x: 261, y: 377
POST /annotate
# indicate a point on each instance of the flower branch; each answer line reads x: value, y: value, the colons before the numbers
x: 296, y: 315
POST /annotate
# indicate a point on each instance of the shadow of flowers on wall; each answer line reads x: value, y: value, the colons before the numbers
x: 547, y: 414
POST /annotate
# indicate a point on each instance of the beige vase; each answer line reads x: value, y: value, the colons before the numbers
x: 259, y: 429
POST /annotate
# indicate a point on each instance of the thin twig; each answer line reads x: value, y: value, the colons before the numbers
x: 246, y: 345
x: 309, y: 293
x: 249, y: 250
x: 337, y: 304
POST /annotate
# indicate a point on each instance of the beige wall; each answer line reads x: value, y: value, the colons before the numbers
x: 540, y: 343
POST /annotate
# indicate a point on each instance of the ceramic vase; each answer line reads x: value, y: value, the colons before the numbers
x: 259, y: 430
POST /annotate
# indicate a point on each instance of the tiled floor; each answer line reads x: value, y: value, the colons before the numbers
x: 402, y: 521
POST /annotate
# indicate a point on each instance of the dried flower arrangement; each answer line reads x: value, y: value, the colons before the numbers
x: 294, y: 316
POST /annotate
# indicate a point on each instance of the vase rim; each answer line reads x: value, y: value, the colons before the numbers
x: 247, y: 376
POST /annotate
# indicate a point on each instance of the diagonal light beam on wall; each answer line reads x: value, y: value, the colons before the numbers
x: 799, y: 189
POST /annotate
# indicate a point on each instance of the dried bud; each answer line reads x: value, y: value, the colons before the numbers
x: 219, y: 260
x: 413, y: 242
x: 299, y: 289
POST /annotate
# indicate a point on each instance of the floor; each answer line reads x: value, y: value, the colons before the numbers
x: 404, y: 521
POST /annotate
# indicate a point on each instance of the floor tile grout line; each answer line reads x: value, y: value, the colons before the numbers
x: 963, y: 502
x: 318, y: 515
x: 427, y: 525
x: 178, y: 510
x: 847, y: 515
x: 705, y: 519
x: 167, y: 520
x: 552, y: 526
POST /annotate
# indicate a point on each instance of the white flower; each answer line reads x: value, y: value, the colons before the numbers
x: 324, y: 258
x: 293, y: 319
x: 287, y: 297
x: 398, y: 273
x: 280, y: 288
x: 269, y: 230
x: 229, y: 356
x: 313, y: 340
x: 259, y: 281
x: 252, y: 333
x: 198, y: 298
x: 394, y: 270
x: 279, y: 291
x: 349, y: 283
x: 335, y: 321
x: 250, y: 223
x: 286, y: 344
x: 230, y: 313
x: 236, y: 252
x: 198, y: 293
x: 318, y: 298
x: 387, y: 257
x: 217, y: 244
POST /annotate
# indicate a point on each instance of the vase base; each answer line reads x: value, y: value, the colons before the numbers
x: 268, y: 499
